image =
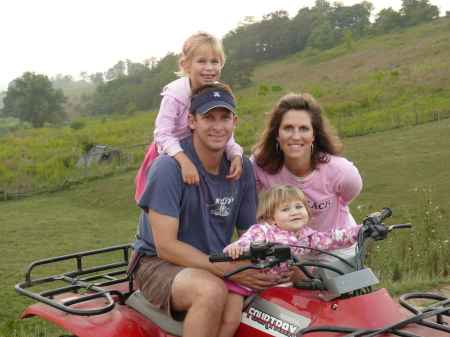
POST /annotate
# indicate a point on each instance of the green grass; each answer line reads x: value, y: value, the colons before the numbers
x: 95, y: 215
x: 396, y: 167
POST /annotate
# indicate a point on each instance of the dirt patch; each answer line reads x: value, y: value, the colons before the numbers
x: 443, y: 290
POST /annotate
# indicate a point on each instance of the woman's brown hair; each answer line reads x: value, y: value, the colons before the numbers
x: 325, y: 141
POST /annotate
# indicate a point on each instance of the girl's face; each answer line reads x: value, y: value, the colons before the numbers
x: 296, y: 135
x: 203, y: 68
x: 291, y: 216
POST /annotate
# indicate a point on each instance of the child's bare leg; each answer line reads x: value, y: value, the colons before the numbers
x: 231, y: 316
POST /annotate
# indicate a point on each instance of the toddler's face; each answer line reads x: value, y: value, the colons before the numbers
x: 291, y: 216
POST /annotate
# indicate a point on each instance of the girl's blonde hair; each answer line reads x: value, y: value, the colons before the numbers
x: 276, y: 196
x: 204, y: 41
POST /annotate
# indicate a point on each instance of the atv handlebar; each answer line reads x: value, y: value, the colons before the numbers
x: 270, y: 254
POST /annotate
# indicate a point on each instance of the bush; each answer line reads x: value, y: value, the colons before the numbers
x: 263, y: 89
x: 130, y: 109
x: 277, y: 87
x: 77, y: 125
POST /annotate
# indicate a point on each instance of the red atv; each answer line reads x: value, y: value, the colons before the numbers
x: 337, y: 300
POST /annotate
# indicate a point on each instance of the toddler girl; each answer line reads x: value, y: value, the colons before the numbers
x: 202, y: 59
x: 284, y: 214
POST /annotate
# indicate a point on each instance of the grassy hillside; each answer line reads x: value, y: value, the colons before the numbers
x: 342, y: 75
x: 399, y: 168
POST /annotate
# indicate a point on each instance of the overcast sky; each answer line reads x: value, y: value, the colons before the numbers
x: 53, y: 36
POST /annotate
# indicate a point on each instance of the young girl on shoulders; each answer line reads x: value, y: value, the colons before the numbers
x: 202, y: 59
x: 283, y: 214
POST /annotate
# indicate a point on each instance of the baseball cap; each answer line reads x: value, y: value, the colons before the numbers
x: 212, y: 99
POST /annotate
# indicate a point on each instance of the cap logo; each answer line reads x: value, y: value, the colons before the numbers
x: 216, y: 94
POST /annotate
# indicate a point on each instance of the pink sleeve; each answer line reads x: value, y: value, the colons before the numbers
x: 165, y: 126
x: 254, y: 233
x: 232, y: 149
x: 350, y: 186
x: 331, y: 240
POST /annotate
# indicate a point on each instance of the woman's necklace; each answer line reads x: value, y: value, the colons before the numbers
x: 301, y: 180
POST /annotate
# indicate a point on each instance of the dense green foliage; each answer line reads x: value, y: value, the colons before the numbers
x: 323, y: 26
x: 32, y: 98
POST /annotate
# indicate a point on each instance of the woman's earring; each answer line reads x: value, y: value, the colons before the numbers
x: 277, y: 147
x: 312, y: 147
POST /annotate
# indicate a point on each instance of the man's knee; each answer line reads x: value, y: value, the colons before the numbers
x: 200, y: 287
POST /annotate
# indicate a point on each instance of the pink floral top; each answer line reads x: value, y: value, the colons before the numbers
x: 329, y: 240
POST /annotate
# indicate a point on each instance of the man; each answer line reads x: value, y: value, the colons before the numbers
x: 181, y: 224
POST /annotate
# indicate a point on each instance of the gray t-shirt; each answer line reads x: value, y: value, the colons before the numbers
x: 207, y: 213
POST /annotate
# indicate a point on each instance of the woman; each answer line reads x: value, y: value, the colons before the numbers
x: 298, y: 148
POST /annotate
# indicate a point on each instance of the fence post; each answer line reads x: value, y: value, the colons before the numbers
x: 17, y: 184
x: 415, y: 112
x: 393, y: 122
x: 340, y: 127
x: 4, y: 192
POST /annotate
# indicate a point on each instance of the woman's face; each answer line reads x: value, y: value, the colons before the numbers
x: 296, y: 135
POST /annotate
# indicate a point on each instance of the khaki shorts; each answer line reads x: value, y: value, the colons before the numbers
x: 154, y: 278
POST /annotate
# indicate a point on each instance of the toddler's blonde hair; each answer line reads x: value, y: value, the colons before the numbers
x: 276, y: 196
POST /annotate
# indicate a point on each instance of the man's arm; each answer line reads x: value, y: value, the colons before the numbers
x: 169, y: 248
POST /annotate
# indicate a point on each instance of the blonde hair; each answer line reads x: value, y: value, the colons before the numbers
x: 204, y: 41
x: 276, y: 196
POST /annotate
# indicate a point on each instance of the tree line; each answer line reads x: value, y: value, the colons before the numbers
x: 323, y: 26
x: 129, y: 86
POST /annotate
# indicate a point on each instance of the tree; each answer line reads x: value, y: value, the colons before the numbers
x: 387, y: 20
x: 96, y: 78
x: 238, y: 73
x: 348, y: 39
x: 418, y: 11
x: 33, y: 99
x: 83, y: 75
x: 133, y: 67
x: 323, y: 37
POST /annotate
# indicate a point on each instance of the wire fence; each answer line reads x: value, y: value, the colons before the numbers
x: 348, y: 125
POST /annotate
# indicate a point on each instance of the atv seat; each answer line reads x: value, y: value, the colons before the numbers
x: 138, y: 302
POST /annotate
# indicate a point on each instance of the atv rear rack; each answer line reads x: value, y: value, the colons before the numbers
x: 109, y: 273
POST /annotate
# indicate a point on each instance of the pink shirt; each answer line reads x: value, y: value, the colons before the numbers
x: 329, y: 240
x: 328, y: 192
x: 172, y: 126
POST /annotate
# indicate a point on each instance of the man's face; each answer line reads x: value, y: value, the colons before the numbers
x: 213, y: 129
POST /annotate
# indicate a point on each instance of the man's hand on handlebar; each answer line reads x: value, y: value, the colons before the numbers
x: 290, y: 275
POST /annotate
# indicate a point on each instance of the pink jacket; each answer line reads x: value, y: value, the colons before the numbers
x: 329, y: 240
x: 328, y: 192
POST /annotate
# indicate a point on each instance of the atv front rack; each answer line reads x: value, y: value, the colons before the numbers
x: 111, y: 274
x: 421, y: 317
